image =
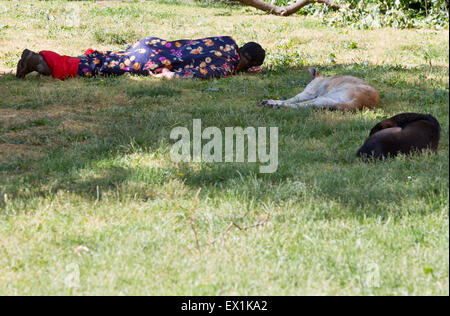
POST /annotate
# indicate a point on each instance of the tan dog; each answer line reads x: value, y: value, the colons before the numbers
x: 339, y: 92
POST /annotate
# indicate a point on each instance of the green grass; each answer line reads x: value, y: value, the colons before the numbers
x: 85, y: 162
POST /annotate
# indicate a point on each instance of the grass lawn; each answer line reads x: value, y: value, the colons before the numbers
x: 91, y: 203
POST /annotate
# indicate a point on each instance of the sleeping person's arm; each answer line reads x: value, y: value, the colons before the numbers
x: 207, y: 72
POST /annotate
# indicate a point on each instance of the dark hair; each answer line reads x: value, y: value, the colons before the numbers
x: 254, y: 54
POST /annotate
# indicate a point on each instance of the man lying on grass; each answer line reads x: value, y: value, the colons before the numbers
x: 213, y: 57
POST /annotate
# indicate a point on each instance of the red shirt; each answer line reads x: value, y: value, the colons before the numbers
x: 62, y: 66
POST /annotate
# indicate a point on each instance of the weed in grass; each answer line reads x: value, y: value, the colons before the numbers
x: 350, y: 45
x: 115, y: 37
x: 29, y: 105
x: 119, y: 12
x: 10, y: 59
x: 33, y: 123
x: 286, y: 56
x: 78, y: 137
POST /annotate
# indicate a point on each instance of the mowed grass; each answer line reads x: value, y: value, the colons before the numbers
x: 86, y: 163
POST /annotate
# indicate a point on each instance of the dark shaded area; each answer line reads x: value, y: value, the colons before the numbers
x: 145, y: 125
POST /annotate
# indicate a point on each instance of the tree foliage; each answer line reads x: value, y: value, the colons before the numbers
x: 369, y: 14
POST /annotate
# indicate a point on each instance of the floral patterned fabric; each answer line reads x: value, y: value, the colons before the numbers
x: 213, y: 57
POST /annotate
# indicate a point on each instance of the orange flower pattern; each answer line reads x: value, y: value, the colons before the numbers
x: 212, y: 57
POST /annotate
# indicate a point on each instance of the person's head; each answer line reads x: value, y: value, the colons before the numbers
x: 251, y: 54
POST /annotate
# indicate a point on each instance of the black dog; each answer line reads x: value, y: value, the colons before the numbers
x: 402, y: 133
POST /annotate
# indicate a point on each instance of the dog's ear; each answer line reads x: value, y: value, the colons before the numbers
x: 387, y: 123
x: 314, y: 73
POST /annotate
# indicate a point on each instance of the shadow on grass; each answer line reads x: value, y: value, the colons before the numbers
x: 316, y: 147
